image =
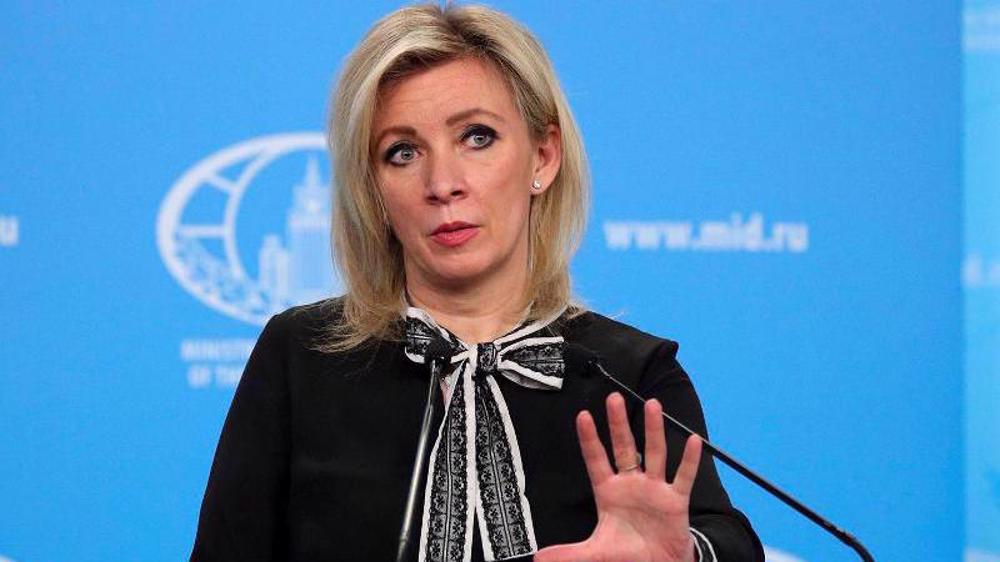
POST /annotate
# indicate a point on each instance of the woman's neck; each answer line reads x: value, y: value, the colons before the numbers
x: 475, y: 314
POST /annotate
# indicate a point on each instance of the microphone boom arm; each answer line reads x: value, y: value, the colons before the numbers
x: 739, y: 467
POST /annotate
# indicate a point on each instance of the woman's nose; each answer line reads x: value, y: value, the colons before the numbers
x: 444, y: 179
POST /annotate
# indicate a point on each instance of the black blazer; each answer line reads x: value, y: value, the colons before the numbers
x: 315, y: 456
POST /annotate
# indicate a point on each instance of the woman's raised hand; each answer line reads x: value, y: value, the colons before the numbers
x: 640, y: 517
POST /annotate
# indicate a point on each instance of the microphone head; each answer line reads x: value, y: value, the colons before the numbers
x: 439, y: 350
x: 579, y: 359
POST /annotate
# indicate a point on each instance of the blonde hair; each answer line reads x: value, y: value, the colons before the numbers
x: 368, y: 255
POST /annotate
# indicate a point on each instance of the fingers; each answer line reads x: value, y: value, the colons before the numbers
x: 594, y: 455
x: 656, y: 443
x: 688, y: 469
x: 622, y: 442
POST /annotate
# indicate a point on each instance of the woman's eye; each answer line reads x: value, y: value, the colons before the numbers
x: 400, y: 154
x: 479, y: 136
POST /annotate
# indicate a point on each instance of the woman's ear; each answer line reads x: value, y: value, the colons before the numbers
x: 548, y: 158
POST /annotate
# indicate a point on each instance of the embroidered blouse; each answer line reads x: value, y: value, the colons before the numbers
x: 316, y: 451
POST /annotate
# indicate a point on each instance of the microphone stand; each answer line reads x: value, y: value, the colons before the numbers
x: 438, y: 354
x: 775, y: 491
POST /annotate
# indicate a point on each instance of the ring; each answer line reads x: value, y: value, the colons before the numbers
x: 638, y: 462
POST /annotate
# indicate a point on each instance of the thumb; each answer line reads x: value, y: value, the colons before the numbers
x: 576, y: 552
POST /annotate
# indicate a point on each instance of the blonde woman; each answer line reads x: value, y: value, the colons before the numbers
x: 461, y: 193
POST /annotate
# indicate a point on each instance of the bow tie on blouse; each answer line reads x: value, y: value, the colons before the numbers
x: 475, y: 466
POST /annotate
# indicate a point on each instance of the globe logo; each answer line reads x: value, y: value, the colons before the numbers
x: 223, y: 238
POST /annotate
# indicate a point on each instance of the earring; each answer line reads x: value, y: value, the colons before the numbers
x: 536, y: 185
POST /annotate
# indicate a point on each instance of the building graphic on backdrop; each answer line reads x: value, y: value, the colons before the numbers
x: 197, y: 235
x: 299, y: 271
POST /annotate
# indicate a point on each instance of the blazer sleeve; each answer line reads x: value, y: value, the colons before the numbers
x: 720, y: 531
x: 243, y: 511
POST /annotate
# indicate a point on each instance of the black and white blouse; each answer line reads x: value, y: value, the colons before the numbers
x: 315, y: 455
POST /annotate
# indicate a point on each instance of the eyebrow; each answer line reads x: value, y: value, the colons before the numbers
x: 461, y: 115
x: 469, y: 113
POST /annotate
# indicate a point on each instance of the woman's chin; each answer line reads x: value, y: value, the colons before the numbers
x: 452, y: 279
x: 464, y: 270
x: 459, y: 274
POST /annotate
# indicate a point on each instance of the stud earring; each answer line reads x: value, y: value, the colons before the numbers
x: 536, y: 185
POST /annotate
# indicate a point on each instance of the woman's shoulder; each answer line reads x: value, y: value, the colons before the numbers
x: 614, y: 340
x: 303, y: 327
x: 314, y: 315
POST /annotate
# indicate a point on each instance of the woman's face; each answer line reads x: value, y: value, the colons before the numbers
x: 455, y: 164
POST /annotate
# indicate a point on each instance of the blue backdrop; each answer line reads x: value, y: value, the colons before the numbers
x: 981, y: 278
x: 777, y: 186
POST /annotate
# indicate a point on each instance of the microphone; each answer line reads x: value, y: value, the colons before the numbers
x: 585, y: 359
x: 437, y: 355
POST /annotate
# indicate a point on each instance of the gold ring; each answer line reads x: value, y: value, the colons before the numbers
x: 638, y: 462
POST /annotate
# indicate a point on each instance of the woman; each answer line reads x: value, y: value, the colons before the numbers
x: 461, y: 196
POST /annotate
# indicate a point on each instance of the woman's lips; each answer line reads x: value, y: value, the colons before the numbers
x: 457, y: 237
